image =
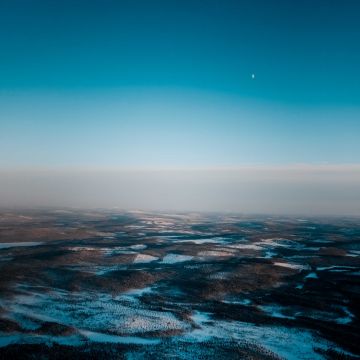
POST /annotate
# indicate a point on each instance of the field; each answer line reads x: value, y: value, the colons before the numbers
x: 107, y: 284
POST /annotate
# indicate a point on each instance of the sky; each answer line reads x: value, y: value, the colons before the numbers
x: 283, y: 190
x: 105, y: 86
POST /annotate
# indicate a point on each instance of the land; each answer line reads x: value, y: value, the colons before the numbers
x: 109, y: 284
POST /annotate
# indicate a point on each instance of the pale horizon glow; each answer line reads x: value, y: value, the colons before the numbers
x: 326, y: 190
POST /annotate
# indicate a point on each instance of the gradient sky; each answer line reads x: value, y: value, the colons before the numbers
x: 168, y: 84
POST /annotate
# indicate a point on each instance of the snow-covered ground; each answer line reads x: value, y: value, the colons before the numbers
x: 176, y: 258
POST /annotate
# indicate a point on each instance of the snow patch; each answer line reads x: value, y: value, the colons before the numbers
x: 144, y: 258
x: 175, y: 258
x: 292, y: 266
x: 312, y: 275
x: 106, y: 338
x: 214, y: 253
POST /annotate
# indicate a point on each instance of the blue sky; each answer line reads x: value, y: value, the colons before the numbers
x: 168, y: 83
x: 157, y: 128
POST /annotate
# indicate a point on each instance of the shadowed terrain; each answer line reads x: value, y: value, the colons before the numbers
x: 136, y: 285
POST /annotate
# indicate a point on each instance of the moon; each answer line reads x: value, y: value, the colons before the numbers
x: 253, y: 76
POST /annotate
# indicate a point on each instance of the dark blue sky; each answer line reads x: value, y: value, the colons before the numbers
x: 305, y: 52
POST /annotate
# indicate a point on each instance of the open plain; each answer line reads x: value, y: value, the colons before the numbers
x: 107, y: 284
